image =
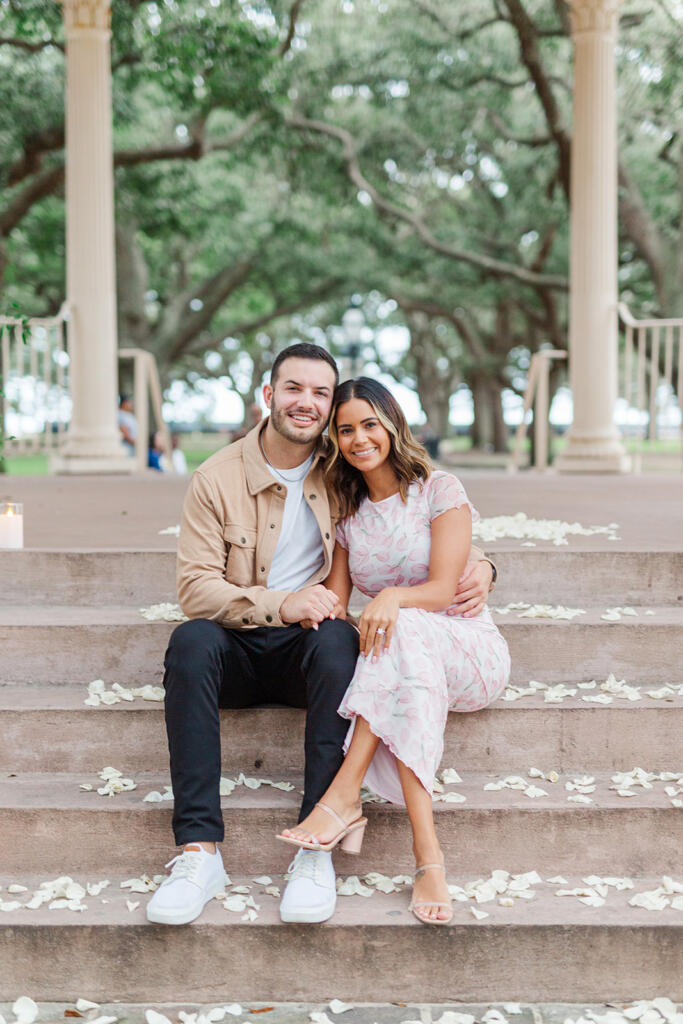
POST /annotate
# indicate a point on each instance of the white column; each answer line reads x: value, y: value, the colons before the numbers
x: 593, y: 441
x: 92, y: 443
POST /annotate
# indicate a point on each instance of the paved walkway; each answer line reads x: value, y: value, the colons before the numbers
x: 128, y: 512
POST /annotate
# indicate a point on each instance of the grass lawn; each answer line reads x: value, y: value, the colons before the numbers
x: 198, y: 447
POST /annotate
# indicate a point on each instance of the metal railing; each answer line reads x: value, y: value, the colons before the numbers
x: 34, y: 366
x: 536, y: 396
x: 652, y: 369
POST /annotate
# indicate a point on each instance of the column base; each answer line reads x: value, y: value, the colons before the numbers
x: 593, y: 455
x: 65, y: 464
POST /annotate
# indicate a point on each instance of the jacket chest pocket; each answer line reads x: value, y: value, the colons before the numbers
x: 241, y: 544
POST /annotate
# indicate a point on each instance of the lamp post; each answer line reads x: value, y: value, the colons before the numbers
x: 353, y: 323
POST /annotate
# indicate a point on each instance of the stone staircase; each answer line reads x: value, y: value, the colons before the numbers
x: 68, y: 617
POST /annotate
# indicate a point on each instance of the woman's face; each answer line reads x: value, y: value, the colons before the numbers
x: 363, y: 441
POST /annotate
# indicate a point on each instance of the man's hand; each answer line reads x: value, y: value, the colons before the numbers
x: 473, y: 590
x: 312, y: 603
x: 338, y: 612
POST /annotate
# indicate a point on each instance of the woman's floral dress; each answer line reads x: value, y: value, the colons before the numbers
x: 435, y: 662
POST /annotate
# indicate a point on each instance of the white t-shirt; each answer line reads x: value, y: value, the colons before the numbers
x: 299, y: 552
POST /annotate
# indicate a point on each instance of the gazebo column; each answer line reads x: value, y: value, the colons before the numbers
x: 593, y: 441
x: 93, y: 440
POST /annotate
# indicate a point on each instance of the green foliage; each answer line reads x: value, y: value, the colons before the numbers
x: 244, y: 219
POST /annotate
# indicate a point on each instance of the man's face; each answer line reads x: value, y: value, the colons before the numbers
x: 300, y: 399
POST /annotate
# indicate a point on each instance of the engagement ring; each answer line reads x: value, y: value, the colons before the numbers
x: 380, y: 631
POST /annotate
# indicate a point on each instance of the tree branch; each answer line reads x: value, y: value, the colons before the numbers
x: 25, y: 44
x: 294, y: 12
x: 491, y: 266
x: 527, y: 35
x: 534, y: 140
x: 247, y: 326
x: 42, y: 185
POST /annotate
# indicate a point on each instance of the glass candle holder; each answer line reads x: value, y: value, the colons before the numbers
x: 11, y: 524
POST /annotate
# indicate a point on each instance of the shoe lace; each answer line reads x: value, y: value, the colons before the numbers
x: 185, y: 865
x: 304, y: 867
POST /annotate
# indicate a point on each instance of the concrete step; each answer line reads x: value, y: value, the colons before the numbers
x: 540, y: 575
x: 548, y: 947
x: 354, y: 1013
x: 46, y: 728
x: 78, y: 644
x: 56, y: 825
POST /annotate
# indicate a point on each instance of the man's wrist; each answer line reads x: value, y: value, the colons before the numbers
x: 494, y: 572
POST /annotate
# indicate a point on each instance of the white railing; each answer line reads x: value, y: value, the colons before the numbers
x: 536, y: 396
x: 34, y: 378
x: 648, y: 344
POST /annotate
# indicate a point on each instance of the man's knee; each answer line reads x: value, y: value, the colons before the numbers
x: 195, y: 641
x: 331, y: 651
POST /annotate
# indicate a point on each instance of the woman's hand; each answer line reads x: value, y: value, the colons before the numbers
x: 473, y: 590
x: 377, y: 621
x: 338, y: 612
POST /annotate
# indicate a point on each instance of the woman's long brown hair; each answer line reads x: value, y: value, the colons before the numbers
x: 407, y: 457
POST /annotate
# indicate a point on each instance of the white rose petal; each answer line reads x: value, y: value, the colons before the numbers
x: 8, y: 907
x: 14, y: 889
x: 336, y: 1006
x: 234, y: 1009
x: 132, y: 906
x: 493, y: 1016
x: 83, y: 1005
x: 25, y: 1010
x: 163, y: 612
x: 352, y: 886
x: 318, y: 1017
x: 152, y: 1017
x: 104, y: 1020
x: 452, y: 1017
x: 449, y: 776
x: 478, y: 914
x: 172, y: 531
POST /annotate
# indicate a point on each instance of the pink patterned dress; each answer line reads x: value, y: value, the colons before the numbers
x: 436, y: 662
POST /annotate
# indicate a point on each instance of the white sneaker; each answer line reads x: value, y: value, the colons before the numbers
x: 311, y: 893
x: 197, y: 876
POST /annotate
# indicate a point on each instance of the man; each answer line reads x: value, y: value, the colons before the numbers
x: 255, y: 544
x: 128, y: 424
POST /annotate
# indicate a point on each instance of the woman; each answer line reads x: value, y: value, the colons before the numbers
x: 403, y: 539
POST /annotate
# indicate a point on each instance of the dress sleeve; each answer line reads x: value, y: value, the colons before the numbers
x: 341, y: 534
x: 444, y: 491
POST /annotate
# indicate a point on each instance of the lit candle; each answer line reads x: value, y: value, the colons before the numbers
x: 11, y: 524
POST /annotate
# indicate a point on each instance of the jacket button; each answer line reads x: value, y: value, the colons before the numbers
x: 312, y: 496
x: 272, y: 526
x: 327, y: 536
x: 243, y: 540
x: 263, y: 568
x: 245, y: 621
x: 269, y: 618
x: 278, y: 488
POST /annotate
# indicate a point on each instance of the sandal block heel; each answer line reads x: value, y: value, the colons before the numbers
x: 353, y: 840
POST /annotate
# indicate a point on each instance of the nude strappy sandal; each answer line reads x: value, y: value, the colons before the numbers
x: 415, y: 907
x: 350, y: 835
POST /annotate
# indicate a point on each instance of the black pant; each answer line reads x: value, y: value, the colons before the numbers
x: 208, y: 666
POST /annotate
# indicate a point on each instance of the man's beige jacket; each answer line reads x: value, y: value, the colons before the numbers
x: 231, y: 522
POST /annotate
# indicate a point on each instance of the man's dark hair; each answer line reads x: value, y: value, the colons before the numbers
x: 303, y: 350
